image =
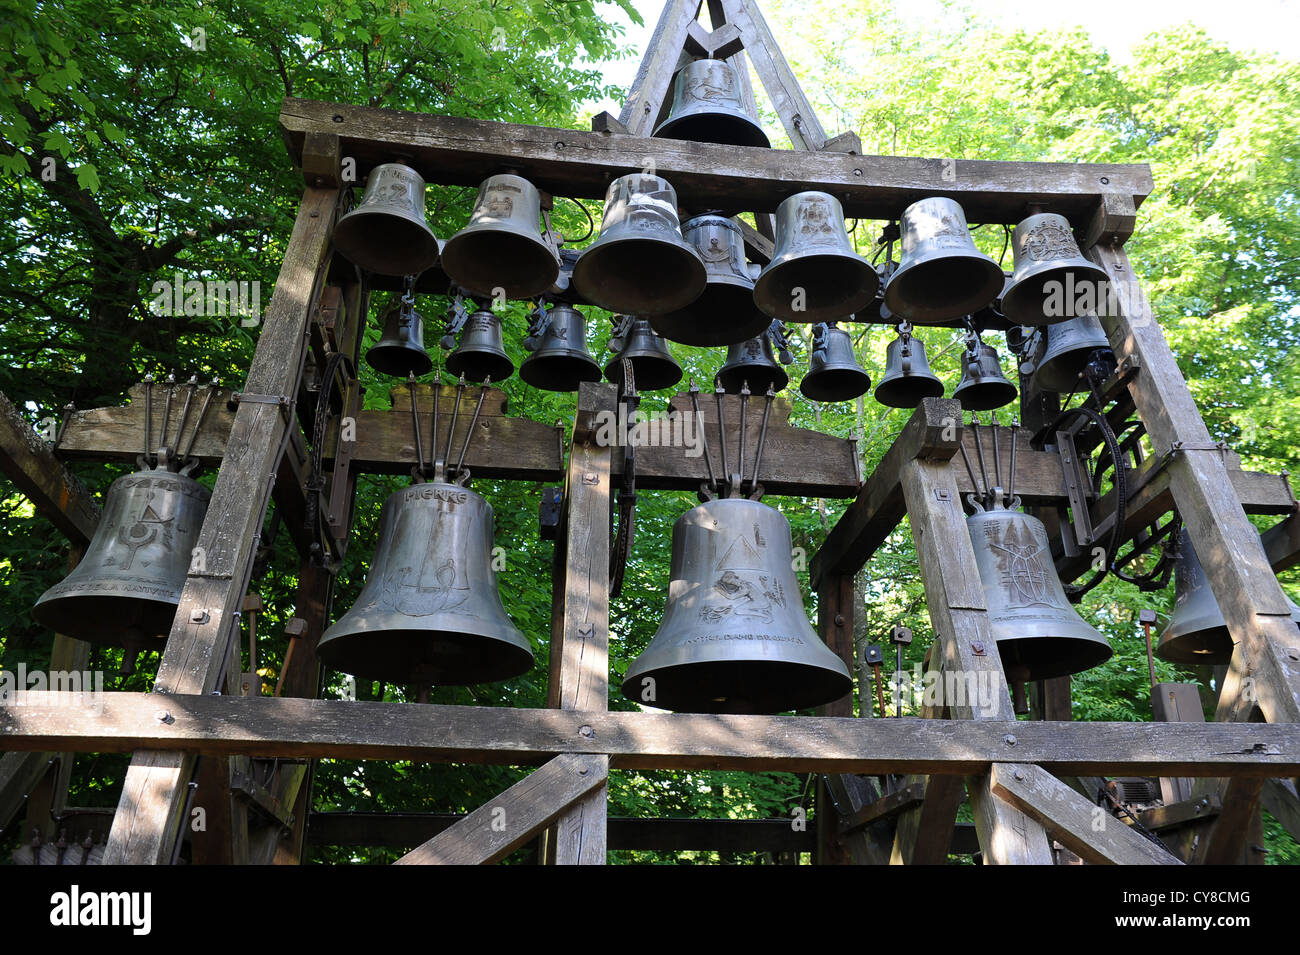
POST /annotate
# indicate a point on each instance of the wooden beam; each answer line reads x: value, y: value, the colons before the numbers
x: 30, y: 464
x: 655, y: 74
x: 1282, y: 542
x: 1280, y: 799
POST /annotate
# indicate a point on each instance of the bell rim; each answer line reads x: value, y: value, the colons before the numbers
x: 417, y: 234
x: 528, y: 371
x: 499, y: 364
x: 1009, y: 389
x: 689, y: 291
x: 770, y: 303
x: 835, y: 683
x: 887, y: 387
x: 758, y: 140
x: 687, y: 326
x: 830, y: 395
x: 460, y: 261
x: 644, y: 381
x: 1179, y: 647
x: 1022, y: 296
x: 54, y: 613
x: 994, y: 279
x: 363, y: 642
x: 422, y: 363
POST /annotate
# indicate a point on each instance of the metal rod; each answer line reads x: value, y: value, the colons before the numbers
x: 433, y: 438
x: 1011, y: 475
x: 969, y: 470
x: 148, y: 418
x: 415, y: 425
x: 722, y: 434
x: 744, y: 427
x: 198, y: 423
x: 898, y: 680
x: 460, y: 464
x: 762, y: 437
x: 455, y: 413
x: 979, y: 453
x: 185, y: 409
x: 704, y: 435
x: 167, y: 409
x: 1151, y: 660
x: 997, y: 458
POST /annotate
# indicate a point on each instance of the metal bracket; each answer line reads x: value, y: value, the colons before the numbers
x: 284, y: 402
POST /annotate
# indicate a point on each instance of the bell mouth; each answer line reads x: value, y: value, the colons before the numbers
x: 835, y: 384
x: 1026, y: 301
x: 715, y: 128
x: 1213, y: 646
x: 640, y: 276
x: 944, y: 289
x: 487, y: 259
x: 906, y: 391
x: 724, y: 314
x: 651, y: 374
x: 559, y: 372
x: 759, y: 380
x: 398, y: 361
x: 740, y: 687
x: 986, y: 397
x: 833, y: 285
x: 425, y: 657
x: 116, y: 620
x: 1030, y: 658
x: 478, y: 367
x: 386, y: 244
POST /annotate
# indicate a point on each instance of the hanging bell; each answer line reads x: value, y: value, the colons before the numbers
x: 1070, y: 347
x: 1038, y: 633
x: 833, y: 371
x: 430, y: 612
x: 907, y: 377
x: 502, y: 247
x: 640, y: 264
x: 561, y: 361
x: 725, y: 312
x: 386, y: 232
x: 734, y: 638
x: 707, y: 108
x: 481, y: 353
x: 1052, y: 281
x: 941, y: 275
x: 400, y: 352
x: 1197, y: 632
x: 653, y: 366
x: 982, y: 387
x: 814, y: 275
x: 126, y: 588
x: 752, y: 362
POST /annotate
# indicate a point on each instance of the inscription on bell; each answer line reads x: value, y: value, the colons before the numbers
x: 1049, y: 241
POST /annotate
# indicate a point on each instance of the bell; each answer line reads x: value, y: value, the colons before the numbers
x: 430, y: 613
x: 1070, y: 346
x: 503, y: 246
x: 734, y: 638
x: 653, y: 366
x: 481, y: 352
x: 400, y: 352
x: 725, y: 312
x: 640, y: 265
x: 982, y: 387
x: 907, y: 377
x: 814, y: 275
x: 1052, y: 282
x: 833, y: 372
x: 386, y: 232
x: 126, y: 588
x: 1038, y: 633
x: 941, y: 275
x: 561, y: 361
x: 1197, y: 632
x: 752, y: 362
x: 707, y: 108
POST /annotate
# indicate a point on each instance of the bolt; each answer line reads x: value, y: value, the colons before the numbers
x: 162, y: 716
x: 977, y: 648
x: 1105, y: 180
x: 586, y: 732
x: 839, y: 620
x: 1293, y: 653
x: 583, y: 771
x: 338, y: 117
x: 559, y: 145
x: 198, y: 615
x: 857, y: 172
x: 1009, y: 740
x: 1020, y: 776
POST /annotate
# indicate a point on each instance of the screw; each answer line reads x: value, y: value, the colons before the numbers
x: 1009, y: 740
x: 583, y: 771
x: 977, y: 648
x: 839, y: 620
x: 857, y: 172
x: 162, y: 716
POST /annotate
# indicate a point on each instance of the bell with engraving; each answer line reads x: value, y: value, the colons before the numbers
x: 814, y: 275
x: 907, y: 378
x: 387, y: 233
x: 982, y: 387
x: 561, y: 361
x: 734, y: 636
x: 725, y: 312
x: 1070, y: 347
x: 833, y: 370
x: 640, y: 264
x: 653, y: 365
x: 941, y: 276
x: 752, y: 363
x: 126, y: 588
x: 481, y: 352
x: 707, y: 108
x: 1038, y: 632
x: 1052, y: 281
x: 430, y: 612
x: 502, y: 247
x: 400, y: 352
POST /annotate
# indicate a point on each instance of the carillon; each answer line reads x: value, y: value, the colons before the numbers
x: 707, y: 108
x: 387, y: 233
x: 503, y: 247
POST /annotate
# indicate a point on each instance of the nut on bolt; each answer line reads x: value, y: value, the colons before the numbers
x: 199, y: 615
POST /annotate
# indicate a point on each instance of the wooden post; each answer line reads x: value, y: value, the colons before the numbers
x: 655, y: 75
x: 835, y: 627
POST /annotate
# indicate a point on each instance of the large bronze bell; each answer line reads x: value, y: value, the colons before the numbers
x: 982, y: 387
x: 752, y: 362
x: 1052, y: 281
x: 561, y: 361
x: 400, y: 351
x: 1069, y: 348
x: 481, y: 353
x: 734, y: 638
x: 502, y: 247
x: 725, y: 312
x: 907, y: 378
x: 707, y: 108
x: 430, y: 612
x: 814, y: 275
x: 833, y: 370
x: 386, y: 233
x: 640, y: 264
x: 1197, y: 632
x: 653, y: 365
x: 941, y: 275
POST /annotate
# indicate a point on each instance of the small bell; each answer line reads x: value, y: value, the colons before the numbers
x: 502, y: 247
x: 725, y: 312
x: 561, y: 361
x: 907, y: 377
x: 386, y: 233
x: 707, y: 108
x: 481, y: 353
x: 653, y: 366
x: 640, y: 264
x: 400, y: 352
x: 941, y: 275
x: 752, y: 361
x: 1052, y: 281
x: 982, y: 387
x: 833, y: 373
x: 1070, y: 347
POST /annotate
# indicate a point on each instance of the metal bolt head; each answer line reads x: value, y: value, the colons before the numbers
x: 586, y: 732
x: 1146, y: 615
x: 977, y: 648
x: 1019, y: 775
x: 198, y: 615
x: 162, y: 716
x: 1009, y: 740
x: 1293, y: 653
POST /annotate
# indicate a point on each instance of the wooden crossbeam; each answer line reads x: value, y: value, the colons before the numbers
x: 30, y: 464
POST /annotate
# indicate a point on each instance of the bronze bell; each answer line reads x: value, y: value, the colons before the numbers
x: 126, y: 588
x: 833, y: 371
x: 653, y: 366
x: 982, y: 387
x: 481, y: 353
x: 400, y: 351
x: 907, y: 377
x: 640, y: 264
x: 502, y: 247
x: 752, y: 362
x: 734, y: 637
x: 707, y: 108
x: 430, y: 612
x: 386, y: 233
x: 941, y: 275
x: 814, y: 275
x: 1052, y: 281
x: 1197, y: 632
x: 1038, y: 633
x: 561, y: 361
x: 725, y: 312
x: 1070, y: 346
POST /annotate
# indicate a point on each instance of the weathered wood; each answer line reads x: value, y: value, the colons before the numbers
x: 835, y: 612
x: 1282, y: 542
x: 655, y: 75
x: 321, y: 160
x: 886, y: 807
x: 29, y: 463
x: 868, y: 845
x: 1177, y: 814
x: 1280, y: 799
x: 19, y: 773
x: 500, y: 826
